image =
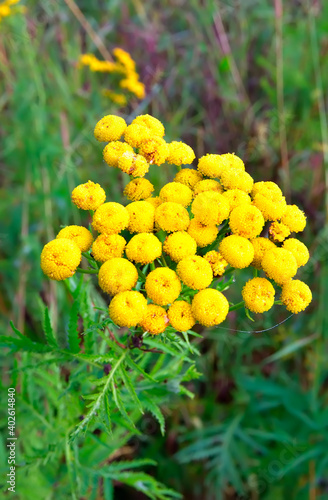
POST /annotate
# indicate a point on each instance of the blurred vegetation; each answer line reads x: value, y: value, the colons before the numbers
x: 233, y: 76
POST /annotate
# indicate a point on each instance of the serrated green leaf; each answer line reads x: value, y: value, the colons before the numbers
x: 119, y: 404
x: 129, y: 386
x: 48, y: 330
x: 154, y: 410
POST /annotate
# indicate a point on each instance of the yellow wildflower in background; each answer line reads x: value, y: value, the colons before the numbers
x: 79, y: 234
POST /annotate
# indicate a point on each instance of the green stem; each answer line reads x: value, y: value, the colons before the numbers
x: 236, y: 306
x: 152, y: 266
x: 256, y: 273
x: 164, y: 261
x: 229, y: 271
x: 87, y: 271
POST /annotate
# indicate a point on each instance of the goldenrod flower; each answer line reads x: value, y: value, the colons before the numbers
x: 233, y: 162
x: 155, y: 126
x: 246, y: 220
x: 211, y: 165
x: 272, y: 208
x: 268, y: 189
x: 136, y: 134
x: 210, y: 307
x: 210, y: 208
x: 179, y: 245
x: 156, y: 320
x: 237, y: 197
x: 236, y: 250
x: 180, y: 316
x: 237, y: 179
x: 177, y: 193
x: 128, y: 308
x: 278, y: 231
x: 155, y: 150
x: 202, y: 234
x: 298, y: 249
x: 88, y: 196
x: 258, y: 295
x: 180, y: 153
x: 195, y: 272
x: 154, y: 200
x: 279, y: 264
x: 163, y: 286
x: 207, y: 185
x: 117, y: 275
x: 260, y: 245
x: 138, y: 189
x: 143, y: 248
x: 79, y: 234
x: 172, y: 217
x: 141, y: 217
x: 110, y: 218
x: 217, y: 262
x: 110, y: 128
x: 108, y: 246
x: 60, y: 258
x: 188, y: 176
x: 133, y: 164
x: 114, y: 150
x: 296, y: 296
x: 294, y: 218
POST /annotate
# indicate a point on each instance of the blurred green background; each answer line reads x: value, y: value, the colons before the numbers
x: 248, y: 77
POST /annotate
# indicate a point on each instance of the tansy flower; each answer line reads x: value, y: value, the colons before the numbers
x: 79, y: 234
x: 207, y: 185
x: 246, y: 220
x: 177, y: 193
x: 180, y: 153
x: 195, y: 272
x: 155, y: 150
x: 258, y: 295
x: 296, y: 296
x: 278, y: 231
x: 237, y: 179
x: 233, y: 162
x: 114, y: 150
x: 117, y: 275
x: 88, y: 196
x: 236, y: 197
x: 128, y: 308
x: 279, y: 264
x: 110, y: 128
x: 268, y: 189
x: 179, y: 245
x: 136, y: 133
x: 211, y: 165
x: 154, y: 125
x: 237, y: 251
x: 180, y: 316
x: 133, y: 164
x: 271, y: 208
x: 188, y: 176
x: 210, y: 208
x: 172, y: 217
x: 210, y: 307
x: 217, y: 262
x: 60, y: 258
x: 294, y: 218
x: 202, y: 234
x: 108, y: 246
x: 156, y: 320
x: 138, y: 189
x: 298, y: 249
x: 163, y: 286
x: 260, y: 245
x: 110, y: 218
x: 134, y: 86
x: 154, y: 200
x: 141, y: 217
x: 143, y: 248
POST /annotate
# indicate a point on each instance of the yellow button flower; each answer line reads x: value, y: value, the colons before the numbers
x: 180, y: 153
x: 177, y: 193
x: 79, y: 234
x: 138, y: 189
x: 258, y: 295
x: 154, y: 125
x: 88, y: 196
x: 217, y: 262
x: 156, y: 320
x: 237, y: 179
x: 128, y: 308
x: 296, y: 296
x: 268, y: 189
x: 236, y: 197
x: 172, y: 217
x: 154, y: 200
x: 211, y: 165
x: 207, y: 185
x: 188, y: 176
x: 260, y: 245
x: 143, y: 248
x: 133, y: 164
x: 236, y: 250
x: 135, y: 134
x: 210, y: 208
x: 108, y: 246
x: 210, y: 307
x: 114, y: 150
x: 202, y: 234
x: 117, y: 275
x: 163, y: 286
x: 271, y: 208
x: 294, y: 218
x: 180, y: 316
x: 278, y: 231
x: 142, y: 217
x: 155, y: 150
x: 279, y: 264
x: 179, y: 245
x: 110, y: 128
x: 298, y: 249
x: 246, y: 220
x: 110, y: 218
x: 233, y: 162
x: 195, y: 272
x: 60, y: 258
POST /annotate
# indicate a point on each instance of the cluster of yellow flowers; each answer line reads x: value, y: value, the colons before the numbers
x: 162, y: 258
x: 9, y: 8
x: 124, y: 67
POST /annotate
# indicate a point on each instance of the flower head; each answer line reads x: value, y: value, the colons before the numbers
x: 156, y: 320
x: 110, y: 128
x: 296, y: 296
x: 60, y: 258
x: 272, y: 208
x: 237, y: 179
x: 138, y: 189
x: 171, y: 217
x: 133, y: 164
x: 260, y: 245
x: 188, y: 176
x: 210, y: 307
x: 180, y: 316
x: 163, y: 286
x: 267, y: 189
x: 79, y: 234
x: 246, y: 220
x: 128, y: 308
x: 117, y: 275
x: 110, y: 218
x: 195, y: 272
x: 180, y: 153
x: 236, y: 197
x: 141, y: 217
x: 88, y: 196
x: 179, y: 245
x: 217, y: 262
x: 154, y: 200
x: 237, y: 250
x: 211, y: 165
x: 135, y: 134
x: 278, y: 231
x: 202, y: 234
x: 114, y: 150
x: 207, y: 185
x: 154, y: 125
x: 143, y: 248
x: 294, y: 218
x: 279, y: 264
x: 298, y: 249
x: 177, y: 193
x: 108, y: 246
x: 210, y: 208
x: 258, y: 295
x: 155, y: 150
x: 233, y: 162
